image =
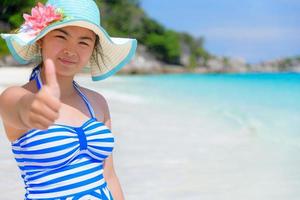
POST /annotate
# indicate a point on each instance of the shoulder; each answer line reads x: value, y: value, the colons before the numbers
x: 15, y: 92
x: 8, y: 99
x: 94, y: 96
x: 99, y: 103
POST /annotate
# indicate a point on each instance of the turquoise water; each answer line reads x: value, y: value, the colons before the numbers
x: 266, y: 104
x: 216, y: 136
x: 188, y: 136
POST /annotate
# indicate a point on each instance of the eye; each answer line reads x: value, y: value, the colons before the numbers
x: 60, y: 36
x: 84, y: 43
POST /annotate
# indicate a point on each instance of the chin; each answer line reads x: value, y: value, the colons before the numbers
x: 66, y: 70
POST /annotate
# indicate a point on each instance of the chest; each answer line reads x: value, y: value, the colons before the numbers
x: 69, y: 114
x: 60, y: 144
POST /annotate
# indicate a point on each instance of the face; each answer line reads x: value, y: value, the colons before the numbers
x: 69, y: 47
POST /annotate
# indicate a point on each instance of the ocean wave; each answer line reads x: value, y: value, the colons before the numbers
x: 246, y: 123
x: 120, y: 96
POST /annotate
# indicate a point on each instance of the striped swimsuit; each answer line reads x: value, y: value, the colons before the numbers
x: 65, y: 162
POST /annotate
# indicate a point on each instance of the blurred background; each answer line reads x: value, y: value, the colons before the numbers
x: 208, y: 108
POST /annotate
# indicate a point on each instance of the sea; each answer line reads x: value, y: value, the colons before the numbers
x: 197, y: 136
x: 208, y: 136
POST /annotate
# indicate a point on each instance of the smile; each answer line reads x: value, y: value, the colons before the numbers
x: 67, y: 61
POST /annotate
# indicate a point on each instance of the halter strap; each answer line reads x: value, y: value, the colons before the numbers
x: 37, y: 77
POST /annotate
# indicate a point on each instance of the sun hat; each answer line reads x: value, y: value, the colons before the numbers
x: 116, y: 52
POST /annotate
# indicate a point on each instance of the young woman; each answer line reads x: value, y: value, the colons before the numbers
x: 61, y: 132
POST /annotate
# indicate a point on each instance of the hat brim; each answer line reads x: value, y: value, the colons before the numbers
x: 116, y: 52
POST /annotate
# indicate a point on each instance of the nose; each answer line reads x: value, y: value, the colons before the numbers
x: 68, y: 53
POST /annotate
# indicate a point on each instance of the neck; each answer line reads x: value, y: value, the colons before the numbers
x: 65, y: 84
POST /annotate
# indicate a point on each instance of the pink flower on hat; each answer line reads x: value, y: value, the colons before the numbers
x: 41, y: 16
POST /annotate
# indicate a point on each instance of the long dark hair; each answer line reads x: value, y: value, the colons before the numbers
x: 98, y: 51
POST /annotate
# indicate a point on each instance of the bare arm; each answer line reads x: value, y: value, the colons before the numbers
x: 109, y: 171
x: 21, y: 109
x: 112, y: 179
x: 12, y: 101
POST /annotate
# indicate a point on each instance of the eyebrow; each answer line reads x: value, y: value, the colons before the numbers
x: 66, y: 33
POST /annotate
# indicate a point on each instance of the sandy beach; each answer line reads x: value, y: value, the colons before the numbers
x: 141, y: 161
x: 164, y: 154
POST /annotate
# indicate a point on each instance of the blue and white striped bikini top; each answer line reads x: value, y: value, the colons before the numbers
x: 42, y: 150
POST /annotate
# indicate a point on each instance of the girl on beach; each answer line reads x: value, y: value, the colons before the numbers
x: 60, y: 132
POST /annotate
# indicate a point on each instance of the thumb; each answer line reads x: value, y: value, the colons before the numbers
x: 51, y: 80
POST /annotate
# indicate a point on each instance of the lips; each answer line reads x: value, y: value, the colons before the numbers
x: 67, y: 61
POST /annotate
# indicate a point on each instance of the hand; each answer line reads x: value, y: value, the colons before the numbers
x: 45, y: 105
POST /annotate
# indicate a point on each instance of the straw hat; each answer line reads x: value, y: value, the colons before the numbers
x: 116, y: 52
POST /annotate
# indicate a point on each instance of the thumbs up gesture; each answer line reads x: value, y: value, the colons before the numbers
x: 44, y: 106
x: 51, y: 82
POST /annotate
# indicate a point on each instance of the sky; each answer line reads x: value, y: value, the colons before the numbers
x: 255, y: 30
